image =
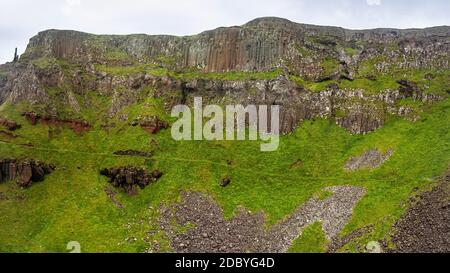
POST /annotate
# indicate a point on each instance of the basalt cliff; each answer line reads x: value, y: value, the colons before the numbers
x: 356, y: 78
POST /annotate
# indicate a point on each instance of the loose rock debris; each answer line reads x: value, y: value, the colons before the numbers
x: 208, y: 231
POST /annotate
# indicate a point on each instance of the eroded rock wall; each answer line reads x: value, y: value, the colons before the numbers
x: 261, y: 44
x: 24, y: 172
x: 312, y: 53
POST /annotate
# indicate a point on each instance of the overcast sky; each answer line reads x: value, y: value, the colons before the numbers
x: 22, y: 19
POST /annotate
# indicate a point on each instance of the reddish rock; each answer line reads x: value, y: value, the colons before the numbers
x: 24, y: 172
x: 153, y: 124
x: 78, y: 126
x: 9, y: 124
x: 31, y: 117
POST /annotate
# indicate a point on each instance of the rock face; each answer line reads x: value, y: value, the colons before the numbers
x: 353, y: 110
x: 78, y: 126
x: 368, y: 160
x: 24, y: 172
x: 68, y: 66
x: 128, y: 178
x: 259, y: 45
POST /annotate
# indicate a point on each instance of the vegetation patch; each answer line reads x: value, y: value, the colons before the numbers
x: 311, y: 240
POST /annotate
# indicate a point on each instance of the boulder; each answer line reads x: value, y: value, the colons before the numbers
x: 78, y: 126
x: 129, y: 177
x: 225, y: 181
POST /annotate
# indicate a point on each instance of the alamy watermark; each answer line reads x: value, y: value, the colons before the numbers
x: 74, y: 247
x: 235, y: 118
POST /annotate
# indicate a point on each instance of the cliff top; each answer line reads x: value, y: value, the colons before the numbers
x: 282, y: 23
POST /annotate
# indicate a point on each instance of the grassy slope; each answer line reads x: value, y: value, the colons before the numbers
x: 71, y: 204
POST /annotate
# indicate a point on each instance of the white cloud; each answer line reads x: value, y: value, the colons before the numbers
x: 69, y: 6
x: 373, y: 2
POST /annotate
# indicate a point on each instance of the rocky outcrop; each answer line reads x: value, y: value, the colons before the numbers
x: 311, y: 52
x: 24, y: 172
x: 27, y: 86
x: 352, y: 109
x: 369, y: 160
x: 128, y: 178
x: 152, y: 124
x: 78, y: 126
x: 9, y: 124
x: 360, y: 122
x: 261, y: 44
x: 57, y: 59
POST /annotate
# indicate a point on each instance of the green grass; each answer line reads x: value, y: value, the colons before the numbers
x: 187, y: 73
x: 323, y: 194
x: 330, y: 66
x: 304, y: 52
x: 439, y: 85
x: 351, y: 51
x: 44, y: 62
x: 117, y: 55
x: 125, y: 70
x: 311, y: 240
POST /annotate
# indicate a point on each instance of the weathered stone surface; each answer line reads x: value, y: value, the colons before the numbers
x: 313, y: 53
x: 360, y: 122
x: 368, y: 160
x: 78, y: 126
x: 24, y: 172
x: 258, y: 45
